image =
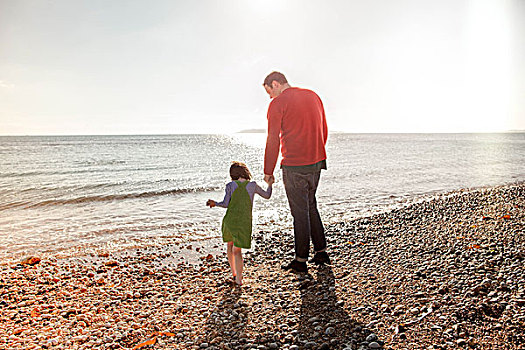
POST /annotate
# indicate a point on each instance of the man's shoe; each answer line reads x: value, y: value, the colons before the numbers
x: 296, y: 266
x: 321, y: 258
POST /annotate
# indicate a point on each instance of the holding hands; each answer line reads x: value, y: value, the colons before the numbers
x: 269, y: 179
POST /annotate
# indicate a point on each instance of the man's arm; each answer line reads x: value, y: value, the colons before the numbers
x: 273, y: 141
x: 325, y: 126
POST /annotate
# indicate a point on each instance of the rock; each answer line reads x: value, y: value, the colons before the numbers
x: 374, y: 345
x: 53, y: 341
x: 32, y: 260
x: 371, y: 338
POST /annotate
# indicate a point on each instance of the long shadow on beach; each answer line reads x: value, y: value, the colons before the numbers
x: 324, y: 324
x: 227, y: 321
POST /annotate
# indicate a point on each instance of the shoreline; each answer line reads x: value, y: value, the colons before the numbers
x: 213, y: 244
x: 445, y: 272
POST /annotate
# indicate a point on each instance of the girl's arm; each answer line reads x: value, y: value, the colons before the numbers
x: 227, y: 197
x: 265, y: 194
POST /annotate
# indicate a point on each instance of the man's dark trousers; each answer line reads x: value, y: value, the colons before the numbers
x: 300, y: 189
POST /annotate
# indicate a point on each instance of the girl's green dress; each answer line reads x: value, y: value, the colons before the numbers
x: 237, y: 223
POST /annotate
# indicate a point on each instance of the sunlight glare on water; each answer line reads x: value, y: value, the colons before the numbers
x: 76, y: 193
x: 257, y: 140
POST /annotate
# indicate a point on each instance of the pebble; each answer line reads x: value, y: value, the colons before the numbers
x: 371, y: 338
x: 330, y: 331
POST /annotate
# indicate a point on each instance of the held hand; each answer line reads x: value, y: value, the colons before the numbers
x: 269, y: 179
x: 210, y: 203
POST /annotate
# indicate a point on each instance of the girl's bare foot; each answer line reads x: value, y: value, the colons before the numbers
x: 237, y: 282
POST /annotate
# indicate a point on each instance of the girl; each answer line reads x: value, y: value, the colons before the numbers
x: 237, y: 223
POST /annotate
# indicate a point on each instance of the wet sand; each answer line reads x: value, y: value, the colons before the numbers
x: 445, y: 273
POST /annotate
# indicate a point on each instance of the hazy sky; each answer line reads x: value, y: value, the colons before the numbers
x: 141, y: 67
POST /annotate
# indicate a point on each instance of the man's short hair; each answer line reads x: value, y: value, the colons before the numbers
x: 277, y: 76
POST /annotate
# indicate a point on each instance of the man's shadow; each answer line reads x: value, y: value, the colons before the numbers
x: 323, y: 319
x: 227, y: 321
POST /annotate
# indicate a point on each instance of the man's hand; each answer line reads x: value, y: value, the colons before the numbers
x: 210, y: 203
x: 269, y: 179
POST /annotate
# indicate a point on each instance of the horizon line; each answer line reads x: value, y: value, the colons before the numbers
x: 262, y: 132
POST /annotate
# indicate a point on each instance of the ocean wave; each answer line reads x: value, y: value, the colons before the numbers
x: 93, y: 171
x: 103, y: 198
x: 92, y: 162
x: 43, y: 172
x: 22, y: 174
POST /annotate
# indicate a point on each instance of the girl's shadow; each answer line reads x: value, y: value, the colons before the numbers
x: 227, y: 321
x: 323, y: 320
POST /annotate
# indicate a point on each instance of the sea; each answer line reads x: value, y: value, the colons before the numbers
x: 70, y: 195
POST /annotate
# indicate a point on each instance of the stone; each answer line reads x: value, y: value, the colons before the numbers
x: 371, y: 338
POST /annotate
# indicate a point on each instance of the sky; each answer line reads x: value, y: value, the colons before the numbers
x: 71, y: 67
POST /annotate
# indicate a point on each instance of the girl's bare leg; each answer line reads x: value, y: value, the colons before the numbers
x: 239, y: 264
x: 229, y: 252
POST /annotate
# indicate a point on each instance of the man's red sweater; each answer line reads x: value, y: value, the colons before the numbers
x: 297, y: 123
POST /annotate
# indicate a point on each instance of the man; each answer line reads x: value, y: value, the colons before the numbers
x: 297, y: 124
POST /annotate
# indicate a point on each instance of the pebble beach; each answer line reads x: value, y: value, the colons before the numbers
x: 447, y: 272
